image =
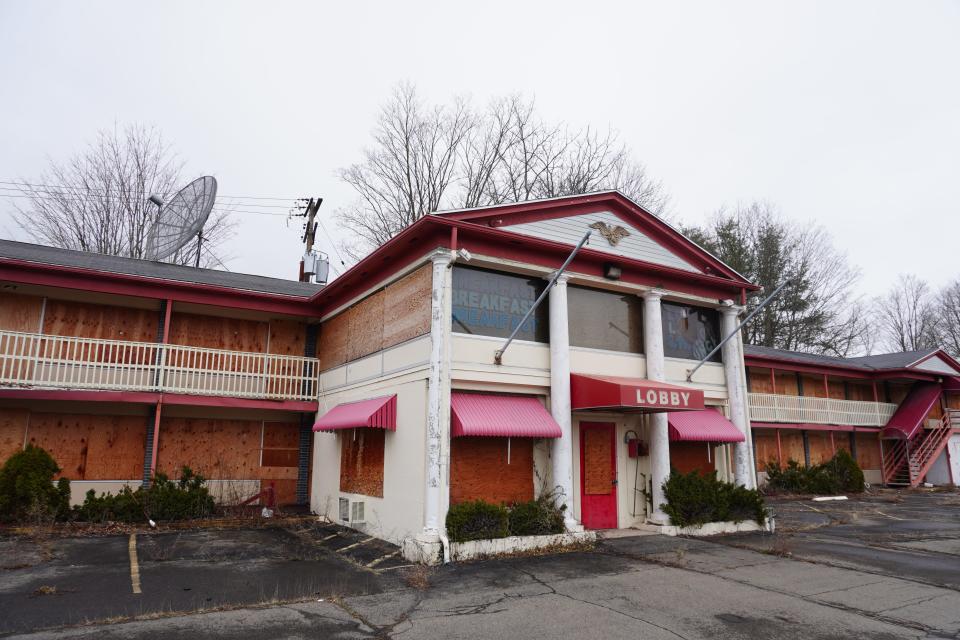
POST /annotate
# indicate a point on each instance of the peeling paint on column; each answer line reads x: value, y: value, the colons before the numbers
x: 435, y: 384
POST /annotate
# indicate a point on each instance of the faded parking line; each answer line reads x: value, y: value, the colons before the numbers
x: 134, y: 565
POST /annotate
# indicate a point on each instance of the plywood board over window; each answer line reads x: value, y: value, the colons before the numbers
x: 385, y: 318
x: 765, y: 448
x: 13, y: 431
x: 216, y: 332
x: 219, y: 449
x: 868, y: 451
x: 20, y: 312
x: 597, y: 471
x: 103, y: 322
x: 91, y: 447
x: 479, y: 470
x: 361, y: 461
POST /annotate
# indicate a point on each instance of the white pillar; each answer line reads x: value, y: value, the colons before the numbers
x: 438, y: 411
x: 561, y: 449
x: 659, y: 435
x: 733, y: 372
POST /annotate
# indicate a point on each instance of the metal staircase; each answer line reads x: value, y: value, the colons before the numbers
x: 906, y: 462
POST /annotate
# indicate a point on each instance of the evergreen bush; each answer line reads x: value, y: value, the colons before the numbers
x: 27, y: 491
x: 694, y: 499
x: 538, y: 517
x: 163, y: 500
x: 477, y: 520
x: 840, y: 474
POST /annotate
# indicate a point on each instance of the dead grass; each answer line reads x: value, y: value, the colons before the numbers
x: 45, y: 590
x: 418, y: 577
x: 87, y: 529
x: 782, y: 547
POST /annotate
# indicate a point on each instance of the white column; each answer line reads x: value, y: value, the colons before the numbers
x: 561, y: 449
x: 659, y: 435
x: 438, y: 414
x: 733, y: 372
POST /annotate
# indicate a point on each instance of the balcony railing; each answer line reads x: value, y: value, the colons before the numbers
x: 768, y: 407
x: 30, y: 359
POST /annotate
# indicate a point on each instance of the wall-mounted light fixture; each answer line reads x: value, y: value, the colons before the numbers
x: 612, y: 271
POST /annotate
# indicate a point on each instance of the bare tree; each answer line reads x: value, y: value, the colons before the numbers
x: 948, y: 316
x: 98, y: 200
x: 907, y: 315
x: 424, y: 159
x: 819, y: 311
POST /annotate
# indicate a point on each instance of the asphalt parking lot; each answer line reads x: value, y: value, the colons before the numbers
x: 813, y: 579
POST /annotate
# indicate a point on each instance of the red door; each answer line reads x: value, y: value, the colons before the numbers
x: 598, y: 475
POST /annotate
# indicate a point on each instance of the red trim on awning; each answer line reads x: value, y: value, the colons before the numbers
x: 480, y: 414
x: 379, y: 413
x: 912, y: 412
x: 631, y: 394
x: 708, y: 425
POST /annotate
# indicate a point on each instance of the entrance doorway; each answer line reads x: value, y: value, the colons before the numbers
x: 598, y: 475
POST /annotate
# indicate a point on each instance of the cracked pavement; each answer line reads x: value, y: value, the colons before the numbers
x: 642, y: 586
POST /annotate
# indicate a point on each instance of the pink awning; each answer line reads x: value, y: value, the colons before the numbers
x: 913, y: 411
x: 481, y: 414
x: 380, y: 413
x: 707, y: 425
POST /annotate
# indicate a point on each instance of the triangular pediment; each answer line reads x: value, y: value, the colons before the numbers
x: 611, y: 235
x: 937, y: 364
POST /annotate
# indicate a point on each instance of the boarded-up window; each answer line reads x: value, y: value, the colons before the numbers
x: 91, y: 447
x: 690, y: 332
x: 868, y: 451
x: 479, y: 470
x: 281, y: 444
x: 764, y: 448
x: 597, y: 462
x: 605, y: 320
x: 361, y: 461
x: 693, y: 456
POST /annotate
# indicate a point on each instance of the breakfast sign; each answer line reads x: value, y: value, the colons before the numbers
x: 631, y: 394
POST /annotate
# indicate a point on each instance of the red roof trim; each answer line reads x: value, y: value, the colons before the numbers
x: 766, y: 362
x: 623, y: 207
x: 813, y: 427
x: 148, y: 397
x: 138, y: 286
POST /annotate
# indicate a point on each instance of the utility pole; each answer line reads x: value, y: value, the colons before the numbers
x: 310, y: 261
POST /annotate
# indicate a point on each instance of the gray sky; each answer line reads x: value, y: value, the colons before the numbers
x: 847, y: 113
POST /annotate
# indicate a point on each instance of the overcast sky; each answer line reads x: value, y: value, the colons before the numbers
x: 846, y: 113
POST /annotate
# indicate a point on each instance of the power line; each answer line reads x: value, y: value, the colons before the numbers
x: 222, y: 208
x: 34, y: 185
x: 41, y: 194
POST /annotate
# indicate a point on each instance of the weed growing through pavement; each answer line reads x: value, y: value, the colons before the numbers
x: 418, y: 577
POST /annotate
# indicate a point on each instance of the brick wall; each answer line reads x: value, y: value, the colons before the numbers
x: 479, y: 470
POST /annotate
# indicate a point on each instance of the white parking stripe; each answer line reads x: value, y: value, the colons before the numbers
x: 374, y: 563
x: 134, y: 565
x: 355, y: 544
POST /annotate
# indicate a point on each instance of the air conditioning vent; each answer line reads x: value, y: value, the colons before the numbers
x: 356, y: 513
x: 344, y: 510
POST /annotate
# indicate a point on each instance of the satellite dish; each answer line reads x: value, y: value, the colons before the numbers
x: 181, y: 219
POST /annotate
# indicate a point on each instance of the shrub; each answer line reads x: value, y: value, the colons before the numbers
x: 695, y: 499
x: 27, y: 490
x: 477, y: 520
x: 837, y: 475
x: 163, y: 500
x: 537, y: 517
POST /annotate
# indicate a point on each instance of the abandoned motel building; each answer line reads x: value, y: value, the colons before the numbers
x: 377, y: 401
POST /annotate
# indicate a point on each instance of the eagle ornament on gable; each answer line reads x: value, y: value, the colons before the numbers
x: 613, y: 234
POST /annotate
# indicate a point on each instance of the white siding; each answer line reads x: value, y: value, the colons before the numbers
x: 937, y: 365
x: 638, y: 245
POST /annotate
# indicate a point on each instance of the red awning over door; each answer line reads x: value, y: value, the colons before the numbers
x: 380, y: 413
x: 708, y: 425
x: 482, y: 414
x: 631, y: 394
